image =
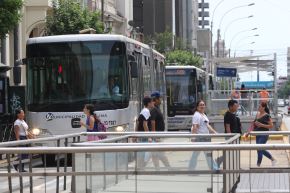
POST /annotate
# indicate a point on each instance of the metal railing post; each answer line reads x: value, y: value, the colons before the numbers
x: 116, y: 168
x: 30, y: 171
x: 20, y: 168
x: 9, y: 171
x: 57, y: 167
x: 65, y: 164
x: 104, y: 169
x: 225, y: 168
x: 73, y: 178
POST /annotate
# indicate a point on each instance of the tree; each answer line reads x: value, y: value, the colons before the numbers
x: 284, y: 91
x: 183, y: 58
x: 9, y: 15
x: 164, y: 42
x: 68, y: 17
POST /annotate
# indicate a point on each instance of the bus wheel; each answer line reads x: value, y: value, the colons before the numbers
x: 49, y: 160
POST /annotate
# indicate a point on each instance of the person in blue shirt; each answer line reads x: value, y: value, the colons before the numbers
x: 113, y: 87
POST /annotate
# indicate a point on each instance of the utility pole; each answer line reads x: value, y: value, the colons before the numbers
x: 102, y: 10
x: 275, y: 87
x: 218, y: 43
x: 173, y: 24
x: 17, y: 63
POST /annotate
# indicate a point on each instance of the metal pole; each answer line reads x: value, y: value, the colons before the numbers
x: 218, y: 43
x: 173, y: 24
x: 3, y: 51
x: 9, y: 171
x: 202, y: 14
x: 30, y: 171
x: 65, y: 164
x: 102, y: 10
x: 211, y: 46
x: 16, y: 43
x: 258, y: 71
x: 57, y: 167
x: 275, y: 87
x: 154, y: 18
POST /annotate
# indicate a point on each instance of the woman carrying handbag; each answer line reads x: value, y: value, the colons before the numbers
x: 262, y: 122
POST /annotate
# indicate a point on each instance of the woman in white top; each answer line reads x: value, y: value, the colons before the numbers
x: 200, y: 125
x: 21, y: 131
x: 20, y: 126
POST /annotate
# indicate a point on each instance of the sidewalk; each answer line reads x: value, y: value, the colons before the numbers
x: 265, y: 182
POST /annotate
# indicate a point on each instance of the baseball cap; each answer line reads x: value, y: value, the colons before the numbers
x: 155, y: 94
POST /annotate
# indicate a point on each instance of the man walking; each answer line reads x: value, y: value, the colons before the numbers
x: 232, y: 123
x: 158, y: 125
x: 144, y: 125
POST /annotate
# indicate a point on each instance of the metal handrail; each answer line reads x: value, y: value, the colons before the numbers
x: 143, y: 147
x: 269, y: 133
x: 128, y: 134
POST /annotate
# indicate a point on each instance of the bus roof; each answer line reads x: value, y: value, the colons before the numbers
x: 87, y: 37
x: 183, y: 67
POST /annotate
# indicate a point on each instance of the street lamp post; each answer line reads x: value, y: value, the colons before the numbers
x: 240, y: 32
x: 249, y: 43
x: 211, y: 24
x: 233, y: 21
x: 245, y: 38
x: 227, y: 12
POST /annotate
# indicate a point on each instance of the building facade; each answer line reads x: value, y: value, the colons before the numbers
x: 162, y: 17
x: 34, y: 12
x: 116, y: 13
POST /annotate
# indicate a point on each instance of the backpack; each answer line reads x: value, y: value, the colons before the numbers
x: 101, y: 127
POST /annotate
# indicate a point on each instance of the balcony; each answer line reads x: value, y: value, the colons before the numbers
x: 37, y: 3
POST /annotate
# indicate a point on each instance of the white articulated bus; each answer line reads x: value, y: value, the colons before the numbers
x: 185, y: 85
x: 66, y: 72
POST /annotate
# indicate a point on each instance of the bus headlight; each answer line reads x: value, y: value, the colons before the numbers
x: 121, y: 128
x: 35, y: 131
x: 40, y: 132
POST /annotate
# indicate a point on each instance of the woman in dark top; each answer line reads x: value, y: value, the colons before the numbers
x: 263, y: 122
x: 90, y: 123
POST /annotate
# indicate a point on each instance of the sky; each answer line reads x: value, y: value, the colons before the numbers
x: 270, y: 17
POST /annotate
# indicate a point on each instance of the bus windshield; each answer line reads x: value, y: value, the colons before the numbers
x: 181, y: 90
x: 63, y: 76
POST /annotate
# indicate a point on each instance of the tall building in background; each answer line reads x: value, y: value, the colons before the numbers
x: 155, y: 16
x: 288, y: 63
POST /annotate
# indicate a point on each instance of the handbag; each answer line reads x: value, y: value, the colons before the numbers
x: 102, y: 128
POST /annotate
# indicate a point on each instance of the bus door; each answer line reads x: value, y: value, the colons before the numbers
x: 201, y: 86
x: 139, y: 82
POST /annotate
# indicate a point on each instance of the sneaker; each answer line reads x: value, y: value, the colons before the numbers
x: 274, y: 162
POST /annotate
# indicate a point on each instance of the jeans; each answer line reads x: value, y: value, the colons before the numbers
x: 208, y: 155
x: 262, y: 139
x: 142, y: 156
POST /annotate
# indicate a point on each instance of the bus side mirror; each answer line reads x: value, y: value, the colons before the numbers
x: 134, y: 69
